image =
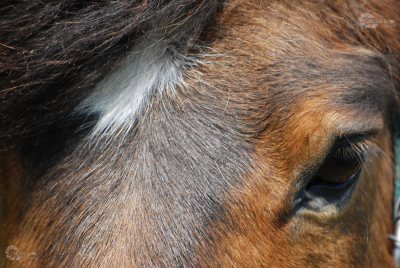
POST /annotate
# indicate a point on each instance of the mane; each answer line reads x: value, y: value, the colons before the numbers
x: 54, y: 53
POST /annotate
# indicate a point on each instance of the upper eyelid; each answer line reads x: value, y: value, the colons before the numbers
x: 360, y: 144
x: 348, y: 139
x: 358, y: 136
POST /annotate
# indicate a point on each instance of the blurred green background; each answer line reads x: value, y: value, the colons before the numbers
x: 398, y: 167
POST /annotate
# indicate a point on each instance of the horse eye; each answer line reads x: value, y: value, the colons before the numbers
x: 337, y: 170
x: 335, y: 179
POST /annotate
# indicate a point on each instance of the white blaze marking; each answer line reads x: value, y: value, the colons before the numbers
x: 124, y: 93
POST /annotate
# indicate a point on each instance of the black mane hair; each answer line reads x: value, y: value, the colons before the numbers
x: 52, y: 53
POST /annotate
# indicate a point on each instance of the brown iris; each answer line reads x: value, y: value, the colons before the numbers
x: 337, y: 170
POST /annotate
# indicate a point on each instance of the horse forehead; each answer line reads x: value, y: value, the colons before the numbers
x: 287, y: 63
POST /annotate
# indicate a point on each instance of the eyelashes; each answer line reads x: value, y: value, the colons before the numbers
x: 333, y: 182
x: 352, y: 149
x: 345, y: 161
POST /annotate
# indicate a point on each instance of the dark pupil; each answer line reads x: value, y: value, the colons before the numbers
x: 338, y: 170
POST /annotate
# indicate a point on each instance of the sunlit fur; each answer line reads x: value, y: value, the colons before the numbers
x: 200, y: 166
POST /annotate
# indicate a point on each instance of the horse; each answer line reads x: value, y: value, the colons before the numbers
x: 194, y: 133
